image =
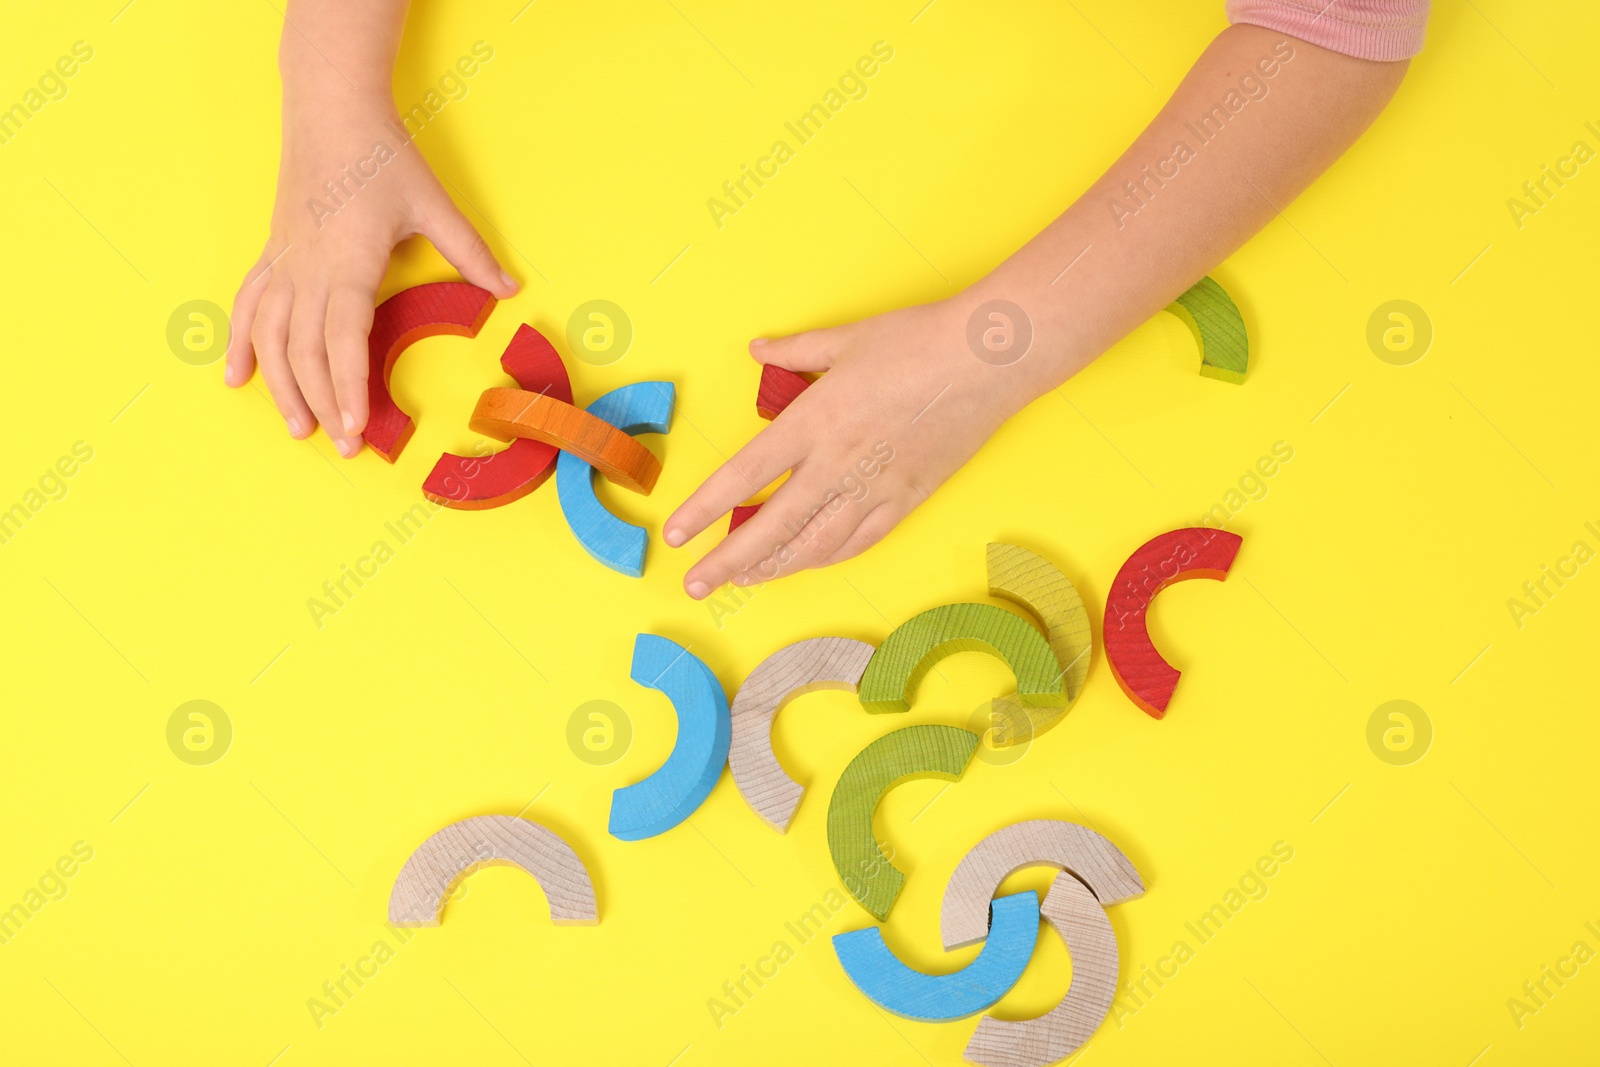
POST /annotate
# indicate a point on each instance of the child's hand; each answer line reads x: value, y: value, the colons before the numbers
x: 903, y: 404
x: 305, y: 308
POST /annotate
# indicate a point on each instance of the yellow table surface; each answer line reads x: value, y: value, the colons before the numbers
x: 221, y: 903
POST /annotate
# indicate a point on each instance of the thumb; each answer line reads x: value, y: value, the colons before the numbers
x: 814, y: 350
x: 465, y: 249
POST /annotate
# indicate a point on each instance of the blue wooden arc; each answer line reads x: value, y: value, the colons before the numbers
x: 642, y: 407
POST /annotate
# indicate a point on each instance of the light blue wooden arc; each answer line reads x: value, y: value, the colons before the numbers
x: 938, y: 998
x: 705, y: 728
x: 642, y: 407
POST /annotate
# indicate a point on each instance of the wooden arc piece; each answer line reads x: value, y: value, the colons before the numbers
x: 1078, y: 850
x: 475, y: 483
x: 803, y: 667
x: 1080, y: 920
x: 914, y: 646
x: 441, y: 862
x: 642, y: 407
x: 680, y: 785
x: 778, y: 389
x: 508, y: 413
x: 1029, y: 579
x: 1193, y: 552
x: 900, y: 756
x: 408, y: 316
x: 911, y: 994
x: 1218, y: 328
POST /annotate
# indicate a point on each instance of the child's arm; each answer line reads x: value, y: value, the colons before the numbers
x: 351, y: 186
x: 910, y: 382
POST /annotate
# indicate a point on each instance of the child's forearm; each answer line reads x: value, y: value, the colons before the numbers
x: 1197, y: 183
x: 334, y: 50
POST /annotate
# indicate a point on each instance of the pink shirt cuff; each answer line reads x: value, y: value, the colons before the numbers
x: 1365, y: 29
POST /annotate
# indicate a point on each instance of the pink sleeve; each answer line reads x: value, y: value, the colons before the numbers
x: 1365, y: 29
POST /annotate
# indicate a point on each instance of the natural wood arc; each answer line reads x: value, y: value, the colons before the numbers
x: 1218, y: 328
x: 476, y: 483
x: 1095, y: 861
x: 1179, y: 555
x: 1029, y: 579
x: 1080, y: 920
x: 803, y: 667
x: 505, y: 414
x: 443, y: 860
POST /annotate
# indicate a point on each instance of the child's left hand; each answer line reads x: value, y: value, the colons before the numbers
x: 903, y: 405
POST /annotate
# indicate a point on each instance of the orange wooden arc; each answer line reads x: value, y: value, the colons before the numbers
x: 408, y: 316
x: 474, y: 483
x: 510, y: 413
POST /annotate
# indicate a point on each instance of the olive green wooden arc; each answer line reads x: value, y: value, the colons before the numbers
x: 901, y: 661
x: 1218, y: 329
x: 913, y: 752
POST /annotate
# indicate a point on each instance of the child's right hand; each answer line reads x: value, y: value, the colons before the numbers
x: 304, y: 309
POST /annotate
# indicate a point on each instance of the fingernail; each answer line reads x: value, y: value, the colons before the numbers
x: 296, y: 428
x: 347, y: 448
x: 349, y: 423
x: 758, y: 342
x: 230, y: 376
x: 674, y: 537
x: 698, y: 590
x: 508, y: 281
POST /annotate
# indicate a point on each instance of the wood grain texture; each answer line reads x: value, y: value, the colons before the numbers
x: 1193, y: 552
x: 1029, y: 579
x: 505, y: 414
x: 911, y: 752
x: 475, y: 483
x: 1096, y: 862
x: 1080, y: 920
x: 915, y: 645
x: 779, y: 386
x: 933, y: 998
x: 407, y: 317
x: 1218, y: 328
x: 642, y: 407
x: 441, y: 862
x: 803, y: 667
x: 681, y: 784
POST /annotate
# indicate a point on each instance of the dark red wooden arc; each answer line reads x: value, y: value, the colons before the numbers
x: 408, y: 316
x: 1193, y: 552
x: 474, y: 483
x: 779, y: 386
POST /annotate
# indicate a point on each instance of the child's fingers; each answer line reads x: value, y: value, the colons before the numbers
x: 308, y: 357
x: 754, y: 467
x: 814, y: 350
x: 241, y: 357
x: 764, y: 535
x: 461, y: 244
x: 350, y: 310
x: 875, y: 526
x: 270, y: 336
x: 823, y: 535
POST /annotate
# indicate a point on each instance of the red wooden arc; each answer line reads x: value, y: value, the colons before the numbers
x: 408, y: 316
x: 1193, y: 552
x: 473, y: 483
x: 779, y: 386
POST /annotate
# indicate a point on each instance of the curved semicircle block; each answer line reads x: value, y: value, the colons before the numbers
x: 1192, y: 552
x: 476, y: 483
x: 1078, y: 850
x: 443, y: 860
x: 909, y: 993
x: 1074, y: 913
x: 681, y: 784
x: 1029, y: 579
x: 896, y: 757
x: 1218, y: 328
x: 803, y: 667
x: 505, y: 414
x: 905, y: 657
x: 642, y: 407
x: 408, y: 316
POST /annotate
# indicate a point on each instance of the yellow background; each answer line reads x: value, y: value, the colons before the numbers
x: 1377, y: 567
